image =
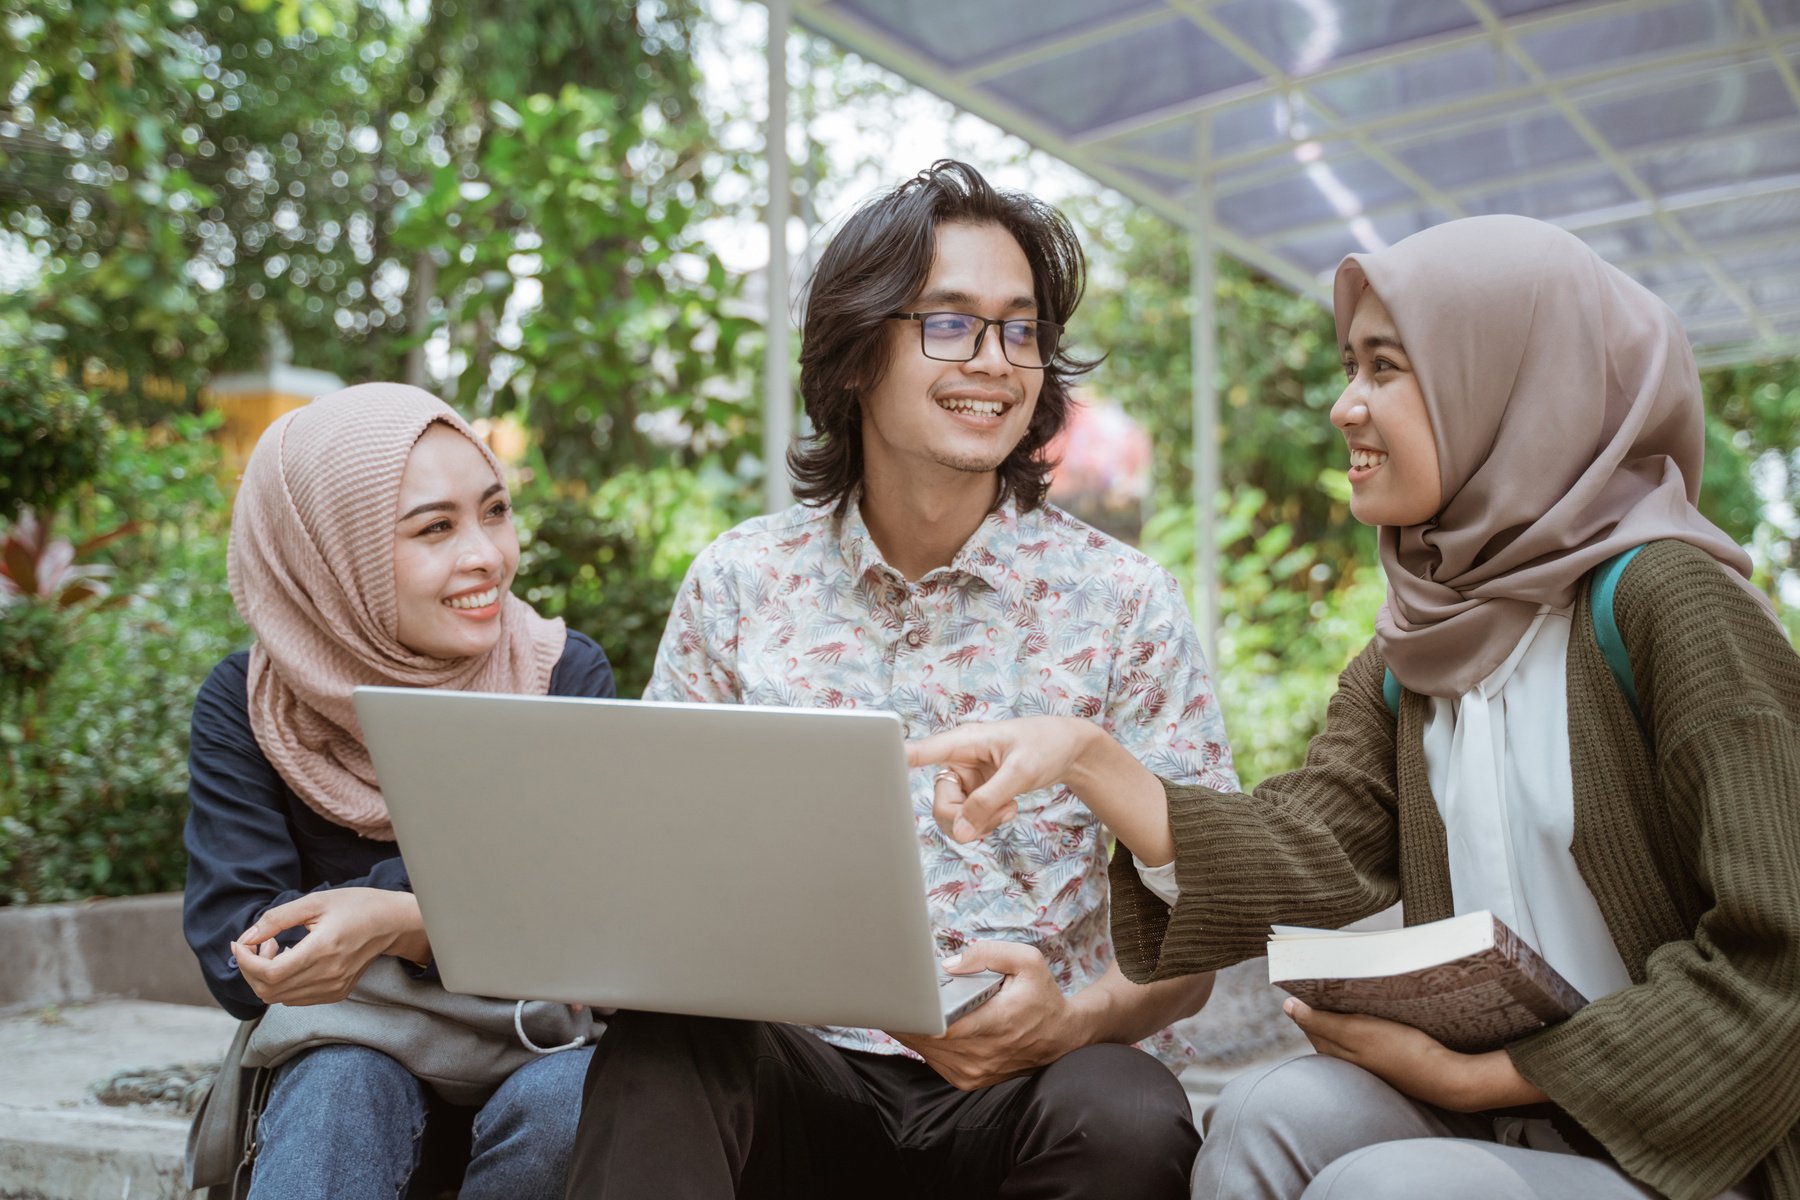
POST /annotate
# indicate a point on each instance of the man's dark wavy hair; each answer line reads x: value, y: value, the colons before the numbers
x: 875, y: 266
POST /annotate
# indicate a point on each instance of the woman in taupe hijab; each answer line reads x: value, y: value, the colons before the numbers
x: 372, y: 542
x: 1522, y: 420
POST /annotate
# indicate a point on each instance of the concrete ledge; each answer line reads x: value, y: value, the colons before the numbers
x: 76, y: 1155
x: 74, y: 953
x: 86, y: 990
x: 57, y: 1142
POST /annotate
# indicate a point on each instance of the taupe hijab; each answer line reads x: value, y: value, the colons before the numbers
x: 312, y: 571
x: 1566, y: 410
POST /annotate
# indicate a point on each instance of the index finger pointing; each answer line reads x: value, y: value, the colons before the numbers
x: 938, y: 748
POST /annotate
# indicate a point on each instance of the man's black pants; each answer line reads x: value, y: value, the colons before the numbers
x: 700, y: 1108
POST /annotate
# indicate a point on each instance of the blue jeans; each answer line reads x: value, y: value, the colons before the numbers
x: 345, y: 1122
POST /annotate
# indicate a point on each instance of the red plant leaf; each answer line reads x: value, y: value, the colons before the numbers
x: 30, y: 531
x: 55, y: 567
x: 100, y: 541
x: 19, y: 562
x: 80, y: 591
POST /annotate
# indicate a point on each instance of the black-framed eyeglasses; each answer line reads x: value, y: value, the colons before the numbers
x: 956, y: 337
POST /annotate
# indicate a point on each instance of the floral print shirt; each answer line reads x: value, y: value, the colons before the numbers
x: 1038, y: 614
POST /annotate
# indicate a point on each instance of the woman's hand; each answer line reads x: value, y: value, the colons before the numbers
x: 995, y: 763
x: 347, y: 929
x: 989, y: 765
x: 1414, y: 1063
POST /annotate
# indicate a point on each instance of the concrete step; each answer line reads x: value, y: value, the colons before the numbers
x: 57, y: 1141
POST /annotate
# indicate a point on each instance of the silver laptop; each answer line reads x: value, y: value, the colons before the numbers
x: 692, y: 858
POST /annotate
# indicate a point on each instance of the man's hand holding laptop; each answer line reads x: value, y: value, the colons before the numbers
x: 1029, y: 1023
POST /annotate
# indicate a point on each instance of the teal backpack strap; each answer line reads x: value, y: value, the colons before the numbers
x: 1606, y: 626
x: 1390, y: 692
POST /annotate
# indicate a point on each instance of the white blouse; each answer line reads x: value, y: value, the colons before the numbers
x: 1498, y: 761
x: 1497, y: 758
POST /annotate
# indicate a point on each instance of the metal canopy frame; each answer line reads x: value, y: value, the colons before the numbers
x: 1569, y: 110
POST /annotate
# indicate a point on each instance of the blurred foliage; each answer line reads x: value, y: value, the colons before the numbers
x: 207, y: 180
x: 629, y: 355
x: 51, y: 434
x: 206, y: 186
x: 1299, y: 581
x: 48, y: 585
x: 609, y: 562
x: 1751, y: 486
x: 92, y: 798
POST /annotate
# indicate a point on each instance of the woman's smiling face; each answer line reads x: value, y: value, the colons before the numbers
x: 1394, y: 478
x: 455, y: 549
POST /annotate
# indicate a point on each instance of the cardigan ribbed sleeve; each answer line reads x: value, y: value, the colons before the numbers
x: 1692, y: 1076
x: 1315, y: 846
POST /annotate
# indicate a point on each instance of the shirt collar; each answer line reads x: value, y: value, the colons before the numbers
x: 987, y: 555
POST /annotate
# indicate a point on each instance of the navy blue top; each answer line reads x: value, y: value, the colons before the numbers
x: 253, y: 844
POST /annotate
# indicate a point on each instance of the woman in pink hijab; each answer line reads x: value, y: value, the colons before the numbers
x: 371, y: 543
x: 1518, y: 415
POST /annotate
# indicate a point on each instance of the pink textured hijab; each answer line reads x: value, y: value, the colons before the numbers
x: 1566, y: 410
x: 312, y: 571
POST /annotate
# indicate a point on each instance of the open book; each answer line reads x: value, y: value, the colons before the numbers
x: 1468, y: 981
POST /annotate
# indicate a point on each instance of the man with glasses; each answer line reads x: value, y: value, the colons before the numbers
x: 923, y: 573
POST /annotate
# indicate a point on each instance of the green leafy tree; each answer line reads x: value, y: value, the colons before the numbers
x: 200, y: 178
x: 629, y: 322
x: 1752, y: 481
x: 52, y: 435
x: 93, y: 729
x: 202, y: 181
x: 573, y: 291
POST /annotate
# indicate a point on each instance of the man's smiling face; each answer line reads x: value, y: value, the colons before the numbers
x: 925, y: 414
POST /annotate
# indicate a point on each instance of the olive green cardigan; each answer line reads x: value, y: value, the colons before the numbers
x: 1690, y: 843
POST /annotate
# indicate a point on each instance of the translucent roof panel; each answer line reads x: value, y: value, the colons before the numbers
x: 1626, y: 243
x: 1627, y: 35
x: 1773, y: 267
x: 1587, y: 189
x: 1342, y: 187
x: 1733, y: 160
x: 1666, y: 133
x: 956, y: 33
x: 1718, y: 101
x: 1775, y: 216
x: 1322, y: 249
x: 1115, y: 79
x: 1471, y: 73
x: 1301, y: 37
x: 1524, y: 140
x: 1263, y: 123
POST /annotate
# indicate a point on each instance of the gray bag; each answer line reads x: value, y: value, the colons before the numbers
x: 464, y: 1047
x: 221, y: 1142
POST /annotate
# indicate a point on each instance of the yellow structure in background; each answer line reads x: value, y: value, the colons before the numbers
x: 96, y: 377
x: 250, y: 402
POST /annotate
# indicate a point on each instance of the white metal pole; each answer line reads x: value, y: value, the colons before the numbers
x: 778, y: 392
x: 1205, y: 450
